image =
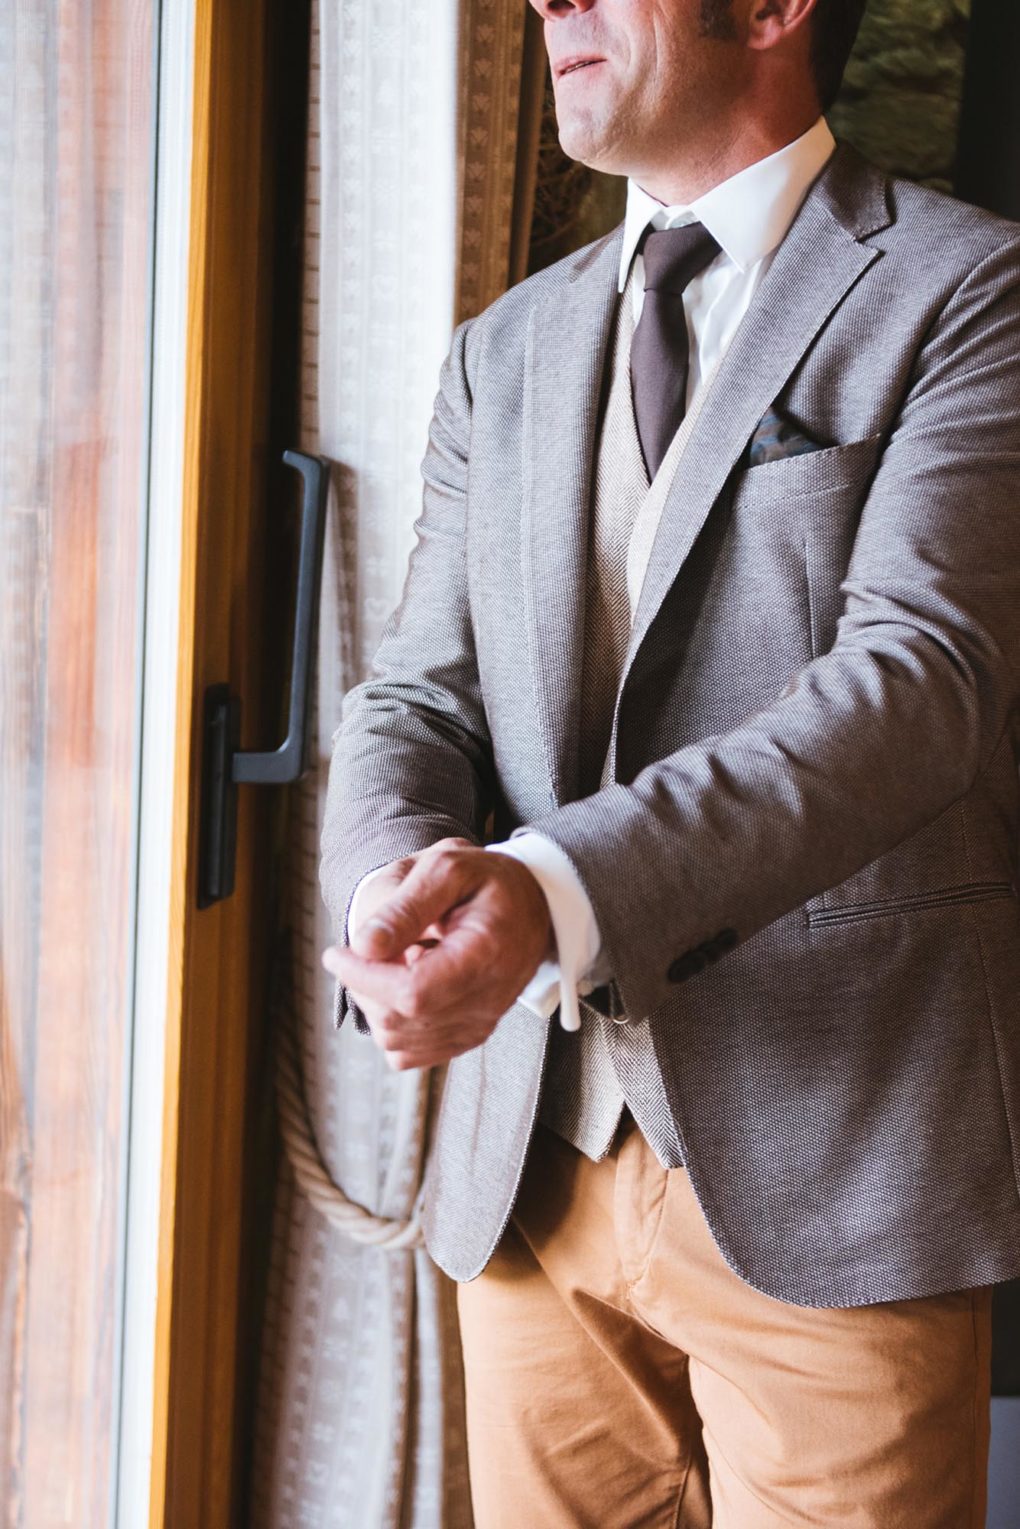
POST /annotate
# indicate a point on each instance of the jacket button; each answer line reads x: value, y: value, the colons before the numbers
x: 687, y: 965
x: 723, y: 941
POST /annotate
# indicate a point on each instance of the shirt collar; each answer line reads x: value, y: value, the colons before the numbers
x: 749, y: 215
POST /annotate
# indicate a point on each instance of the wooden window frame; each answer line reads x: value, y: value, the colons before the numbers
x: 218, y: 1145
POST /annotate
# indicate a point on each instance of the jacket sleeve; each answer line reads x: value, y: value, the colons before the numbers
x: 875, y: 738
x: 411, y: 760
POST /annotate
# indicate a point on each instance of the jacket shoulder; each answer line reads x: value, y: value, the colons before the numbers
x: 500, y: 329
x: 515, y: 304
x: 935, y: 234
x: 936, y: 219
x: 929, y: 219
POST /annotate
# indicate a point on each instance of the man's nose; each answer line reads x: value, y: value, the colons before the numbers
x: 555, y: 10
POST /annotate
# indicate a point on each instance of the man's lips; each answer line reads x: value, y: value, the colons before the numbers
x: 580, y: 61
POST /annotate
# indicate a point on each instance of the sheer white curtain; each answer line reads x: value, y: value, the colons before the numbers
x: 421, y: 162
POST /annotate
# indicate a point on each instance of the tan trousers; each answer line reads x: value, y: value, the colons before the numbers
x: 620, y: 1375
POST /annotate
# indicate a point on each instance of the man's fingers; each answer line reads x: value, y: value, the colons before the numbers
x: 449, y: 975
x: 433, y: 1051
x: 440, y: 978
x: 382, y: 981
x: 436, y: 884
x: 440, y: 960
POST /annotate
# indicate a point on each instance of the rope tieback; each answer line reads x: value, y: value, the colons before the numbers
x: 312, y: 1176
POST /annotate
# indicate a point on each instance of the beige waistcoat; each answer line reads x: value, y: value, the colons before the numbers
x: 609, y: 1064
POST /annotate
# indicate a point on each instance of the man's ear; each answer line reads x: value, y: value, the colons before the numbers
x: 772, y: 22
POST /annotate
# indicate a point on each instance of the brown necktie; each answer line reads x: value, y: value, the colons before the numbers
x: 659, y: 358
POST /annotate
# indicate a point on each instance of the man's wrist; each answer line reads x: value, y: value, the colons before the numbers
x: 576, y: 934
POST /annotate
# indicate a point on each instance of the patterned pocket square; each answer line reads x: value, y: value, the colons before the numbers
x: 776, y: 437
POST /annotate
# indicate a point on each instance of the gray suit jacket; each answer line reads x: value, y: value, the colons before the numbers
x: 805, y: 874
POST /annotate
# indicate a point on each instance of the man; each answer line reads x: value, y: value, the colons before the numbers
x: 713, y: 631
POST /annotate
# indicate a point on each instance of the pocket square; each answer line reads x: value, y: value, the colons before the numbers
x: 776, y: 437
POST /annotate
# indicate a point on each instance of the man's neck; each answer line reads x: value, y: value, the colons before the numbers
x: 682, y: 184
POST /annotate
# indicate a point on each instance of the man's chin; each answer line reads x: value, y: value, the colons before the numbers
x: 588, y: 147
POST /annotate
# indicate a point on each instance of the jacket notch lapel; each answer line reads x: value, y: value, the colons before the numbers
x: 567, y: 339
x: 814, y: 268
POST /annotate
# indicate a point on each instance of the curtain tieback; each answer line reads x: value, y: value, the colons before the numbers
x: 357, y: 1223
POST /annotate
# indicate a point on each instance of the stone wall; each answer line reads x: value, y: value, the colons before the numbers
x: 900, y: 101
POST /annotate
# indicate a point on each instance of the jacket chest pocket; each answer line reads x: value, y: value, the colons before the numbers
x: 811, y: 504
x: 756, y: 600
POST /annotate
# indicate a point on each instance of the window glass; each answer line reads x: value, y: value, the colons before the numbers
x: 76, y: 124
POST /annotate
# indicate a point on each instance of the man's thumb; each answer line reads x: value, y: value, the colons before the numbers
x: 429, y: 892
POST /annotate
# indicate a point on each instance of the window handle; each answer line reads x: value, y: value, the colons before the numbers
x: 225, y: 766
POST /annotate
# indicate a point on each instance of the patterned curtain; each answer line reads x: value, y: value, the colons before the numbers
x: 423, y: 143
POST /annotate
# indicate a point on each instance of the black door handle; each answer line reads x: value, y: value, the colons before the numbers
x: 224, y: 765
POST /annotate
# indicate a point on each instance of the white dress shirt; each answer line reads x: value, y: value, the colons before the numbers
x: 748, y: 215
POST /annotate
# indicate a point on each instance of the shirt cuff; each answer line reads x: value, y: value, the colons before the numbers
x: 575, y: 929
x: 352, y: 907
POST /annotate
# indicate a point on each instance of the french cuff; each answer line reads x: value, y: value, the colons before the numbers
x: 352, y: 907
x: 575, y: 930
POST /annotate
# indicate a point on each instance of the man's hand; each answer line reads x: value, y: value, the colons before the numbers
x: 448, y: 940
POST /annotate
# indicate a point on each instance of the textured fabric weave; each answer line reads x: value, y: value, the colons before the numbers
x: 805, y: 869
x: 591, y: 1075
x: 620, y: 485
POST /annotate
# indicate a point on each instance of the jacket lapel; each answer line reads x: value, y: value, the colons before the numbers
x: 568, y: 334
x: 816, y: 265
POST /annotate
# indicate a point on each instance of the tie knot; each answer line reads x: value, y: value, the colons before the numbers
x: 674, y: 256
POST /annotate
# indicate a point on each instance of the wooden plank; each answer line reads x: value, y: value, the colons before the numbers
x: 217, y: 988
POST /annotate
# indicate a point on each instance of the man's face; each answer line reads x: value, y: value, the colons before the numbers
x: 662, y: 74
